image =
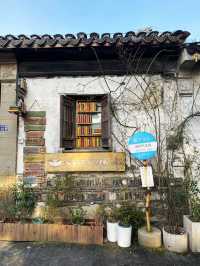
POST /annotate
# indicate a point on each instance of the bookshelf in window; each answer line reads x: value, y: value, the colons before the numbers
x: 88, y: 124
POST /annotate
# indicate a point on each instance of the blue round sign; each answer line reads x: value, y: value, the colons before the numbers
x: 142, y: 145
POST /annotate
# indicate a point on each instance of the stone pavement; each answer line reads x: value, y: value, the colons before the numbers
x: 53, y: 254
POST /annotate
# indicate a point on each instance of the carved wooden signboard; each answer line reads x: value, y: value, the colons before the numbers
x: 85, y: 162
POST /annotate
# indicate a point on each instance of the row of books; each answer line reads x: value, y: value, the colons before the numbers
x: 86, y: 106
x: 84, y: 130
x: 84, y: 118
x: 87, y: 131
x: 88, y: 142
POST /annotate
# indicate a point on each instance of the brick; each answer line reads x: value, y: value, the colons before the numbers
x: 35, y: 121
x: 34, y: 173
x: 34, y: 128
x: 34, y: 134
x: 34, y: 166
x: 35, y: 142
x: 36, y: 114
x: 34, y: 158
x: 34, y: 150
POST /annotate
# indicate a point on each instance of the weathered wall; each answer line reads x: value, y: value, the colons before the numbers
x: 134, y: 105
x: 8, y: 122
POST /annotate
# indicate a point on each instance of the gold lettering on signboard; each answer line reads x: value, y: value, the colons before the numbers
x: 85, y: 162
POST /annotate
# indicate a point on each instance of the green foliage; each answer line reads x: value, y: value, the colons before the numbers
x: 110, y: 213
x: 130, y: 215
x: 176, y: 202
x: 194, y: 198
x: 77, y: 215
x: 58, y: 191
x: 49, y: 213
x: 25, y: 200
x: 52, y: 200
x: 17, y: 202
x: 7, y: 205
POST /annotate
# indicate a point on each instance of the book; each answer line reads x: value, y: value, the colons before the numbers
x: 88, y: 128
x: 87, y: 107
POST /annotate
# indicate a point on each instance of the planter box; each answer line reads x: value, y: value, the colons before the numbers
x: 193, y: 230
x: 82, y: 234
x: 124, y: 236
x: 112, y: 231
x: 175, y: 242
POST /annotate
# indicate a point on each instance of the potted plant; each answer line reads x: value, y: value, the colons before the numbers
x: 112, y: 217
x: 174, y: 236
x: 191, y: 222
x: 109, y: 215
x: 130, y: 219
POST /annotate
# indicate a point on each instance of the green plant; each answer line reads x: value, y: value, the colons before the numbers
x: 25, y: 200
x: 175, y: 203
x: 49, y: 214
x: 7, y: 205
x: 130, y: 215
x: 17, y: 202
x: 77, y: 215
x: 57, y: 192
x: 112, y: 214
x: 194, y: 199
x: 107, y: 213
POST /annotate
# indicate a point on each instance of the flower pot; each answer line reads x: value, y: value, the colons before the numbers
x: 175, y: 242
x: 193, y: 230
x: 151, y: 239
x: 112, y: 231
x: 124, y: 236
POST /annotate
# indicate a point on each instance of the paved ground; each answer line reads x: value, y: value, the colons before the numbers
x: 32, y: 254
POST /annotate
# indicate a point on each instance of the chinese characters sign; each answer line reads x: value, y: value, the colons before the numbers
x: 85, y: 162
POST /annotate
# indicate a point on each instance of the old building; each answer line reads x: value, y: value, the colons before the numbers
x: 74, y: 101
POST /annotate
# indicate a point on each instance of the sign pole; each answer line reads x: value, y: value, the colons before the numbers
x: 148, y: 201
x: 143, y: 146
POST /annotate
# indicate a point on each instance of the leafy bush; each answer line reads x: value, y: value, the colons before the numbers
x: 49, y: 214
x: 109, y: 213
x: 25, y: 200
x: 194, y: 199
x: 7, y: 205
x: 17, y: 202
x: 78, y: 215
x: 129, y: 215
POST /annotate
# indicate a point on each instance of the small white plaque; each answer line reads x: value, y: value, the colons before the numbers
x: 146, y: 176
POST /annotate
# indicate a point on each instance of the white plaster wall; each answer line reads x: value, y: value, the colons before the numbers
x: 44, y: 95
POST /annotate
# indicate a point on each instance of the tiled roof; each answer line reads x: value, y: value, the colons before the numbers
x: 193, y: 48
x: 94, y: 39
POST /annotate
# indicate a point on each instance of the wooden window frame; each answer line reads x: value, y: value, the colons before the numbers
x: 106, y: 119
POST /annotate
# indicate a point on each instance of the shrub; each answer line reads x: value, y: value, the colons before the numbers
x: 17, y: 202
x: 129, y: 215
x: 77, y: 215
x: 7, y: 205
x: 25, y: 200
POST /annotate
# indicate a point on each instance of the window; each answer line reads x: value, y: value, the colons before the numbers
x: 85, y: 122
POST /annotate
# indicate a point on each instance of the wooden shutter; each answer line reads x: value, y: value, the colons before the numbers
x: 67, y: 122
x: 105, y: 121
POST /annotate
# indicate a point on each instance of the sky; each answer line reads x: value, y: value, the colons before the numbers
x: 70, y: 16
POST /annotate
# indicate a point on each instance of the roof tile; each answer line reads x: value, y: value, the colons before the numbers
x: 94, y: 39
